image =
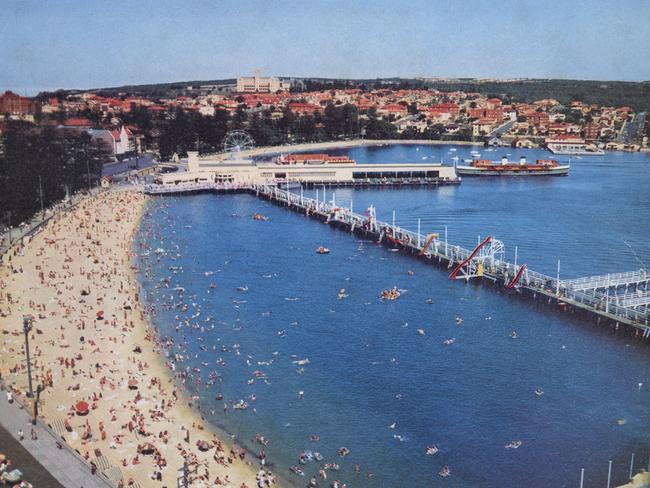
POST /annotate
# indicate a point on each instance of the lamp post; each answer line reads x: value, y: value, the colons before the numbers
x: 27, y: 327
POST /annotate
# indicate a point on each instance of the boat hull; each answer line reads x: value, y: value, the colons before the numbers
x: 472, y: 171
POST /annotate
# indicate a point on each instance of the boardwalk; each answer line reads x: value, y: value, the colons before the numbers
x: 594, y: 295
x: 622, y: 298
x: 64, y: 465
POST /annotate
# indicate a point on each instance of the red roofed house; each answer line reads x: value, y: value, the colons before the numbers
x: 393, y: 109
x: 486, y: 113
x: 592, y: 131
x: 79, y: 122
x: 493, y: 103
x: 301, y: 108
x: 538, y: 118
x: 451, y: 109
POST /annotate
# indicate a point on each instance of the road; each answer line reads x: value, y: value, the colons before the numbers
x: 144, y: 161
x: 502, y: 129
x: 634, y: 129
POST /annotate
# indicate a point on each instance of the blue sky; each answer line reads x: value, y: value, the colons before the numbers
x: 49, y: 44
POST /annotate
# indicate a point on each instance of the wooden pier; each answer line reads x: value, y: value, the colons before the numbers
x: 619, y: 299
x: 486, y: 262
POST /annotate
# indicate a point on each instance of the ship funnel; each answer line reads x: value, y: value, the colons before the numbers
x: 522, y: 161
x: 504, y: 160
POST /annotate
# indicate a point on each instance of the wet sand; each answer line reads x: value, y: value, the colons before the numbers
x: 91, y: 342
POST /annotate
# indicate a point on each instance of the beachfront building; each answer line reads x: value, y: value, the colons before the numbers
x: 120, y: 143
x: 296, y: 168
x: 261, y: 84
x: 13, y: 104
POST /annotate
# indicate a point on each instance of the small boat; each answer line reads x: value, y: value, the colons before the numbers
x: 342, y: 294
x: 261, y: 217
x: 322, y: 250
x: 513, y: 334
x: 449, y: 342
x: 213, y: 286
x: 242, y: 288
x: 539, y: 391
x: 431, y: 450
x: 444, y: 471
x: 513, y: 445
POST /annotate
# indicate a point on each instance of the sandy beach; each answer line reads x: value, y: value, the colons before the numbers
x: 91, y: 343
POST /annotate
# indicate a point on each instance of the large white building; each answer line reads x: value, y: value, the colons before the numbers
x: 210, y: 169
x: 261, y: 84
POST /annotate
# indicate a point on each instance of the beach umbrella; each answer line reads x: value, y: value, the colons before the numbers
x: 81, y: 407
x: 100, y: 315
x: 133, y: 384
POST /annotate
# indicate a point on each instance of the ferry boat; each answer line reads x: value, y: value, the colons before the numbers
x: 484, y: 167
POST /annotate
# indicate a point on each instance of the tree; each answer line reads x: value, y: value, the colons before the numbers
x: 379, y: 129
x: 59, y: 158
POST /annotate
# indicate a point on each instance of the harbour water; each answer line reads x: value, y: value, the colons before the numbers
x: 260, y: 302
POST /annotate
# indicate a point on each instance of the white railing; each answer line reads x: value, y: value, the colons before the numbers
x: 454, y: 253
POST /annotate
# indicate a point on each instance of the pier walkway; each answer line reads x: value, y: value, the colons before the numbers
x: 621, y: 298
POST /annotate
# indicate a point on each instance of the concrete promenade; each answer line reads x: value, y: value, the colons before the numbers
x: 68, y: 469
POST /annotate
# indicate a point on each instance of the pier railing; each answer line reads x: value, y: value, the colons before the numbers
x: 579, y: 293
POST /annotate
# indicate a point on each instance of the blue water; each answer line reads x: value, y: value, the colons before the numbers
x: 369, y: 368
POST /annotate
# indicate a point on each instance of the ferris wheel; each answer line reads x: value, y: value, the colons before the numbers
x: 237, y: 141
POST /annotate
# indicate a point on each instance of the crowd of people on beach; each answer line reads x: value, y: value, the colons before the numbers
x: 93, y: 352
